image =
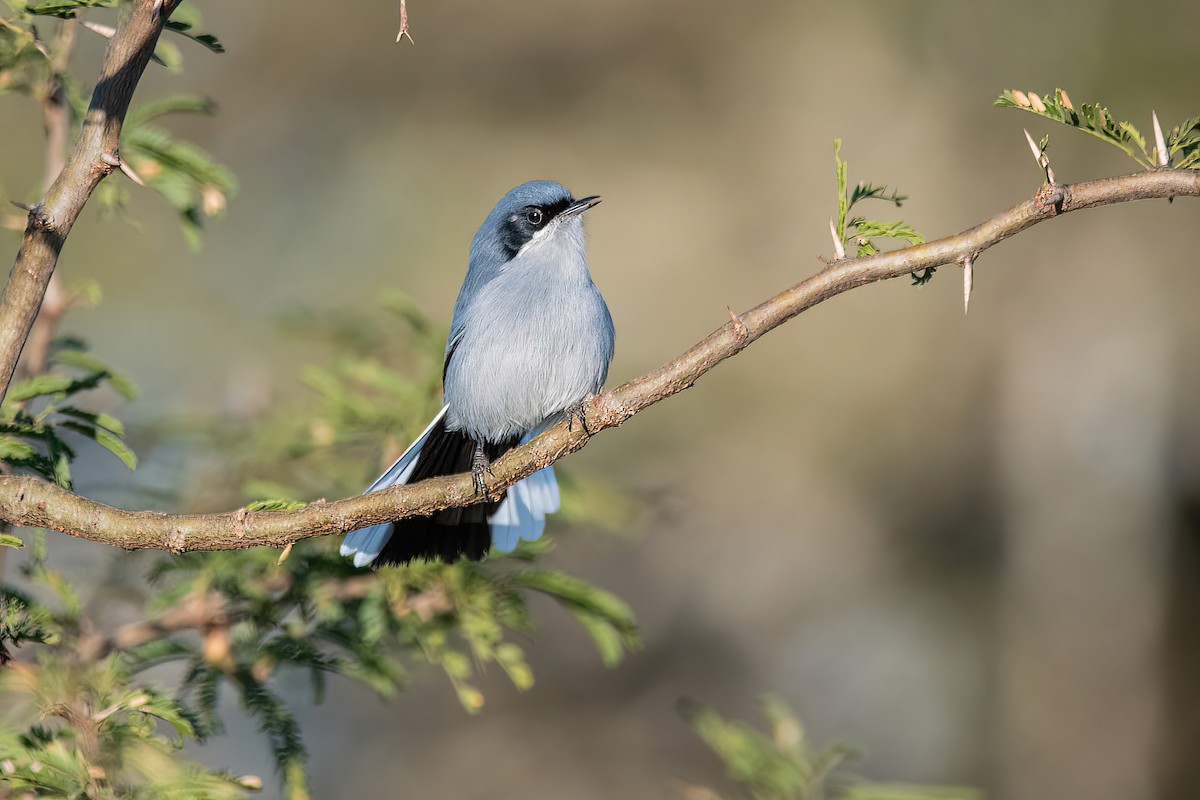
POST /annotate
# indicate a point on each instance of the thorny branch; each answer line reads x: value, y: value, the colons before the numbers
x: 34, y: 502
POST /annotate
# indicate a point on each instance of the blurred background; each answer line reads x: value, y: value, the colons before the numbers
x: 969, y: 547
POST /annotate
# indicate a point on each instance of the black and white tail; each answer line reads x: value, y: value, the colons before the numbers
x: 454, y: 532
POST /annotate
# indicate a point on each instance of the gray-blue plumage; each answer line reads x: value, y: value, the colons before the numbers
x: 531, y: 338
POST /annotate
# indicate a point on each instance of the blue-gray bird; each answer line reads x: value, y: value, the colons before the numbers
x: 530, y: 340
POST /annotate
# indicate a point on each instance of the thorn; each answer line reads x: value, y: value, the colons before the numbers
x: 839, y: 249
x: 287, y: 551
x: 155, y: 10
x: 95, y: 27
x: 739, y: 325
x: 22, y: 206
x: 968, y: 282
x: 1037, y: 151
x: 129, y: 173
x: 1160, y: 144
x: 116, y: 161
x: 1039, y: 155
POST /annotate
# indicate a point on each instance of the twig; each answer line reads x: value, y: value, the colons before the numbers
x: 404, y: 23
x: 33, y: 502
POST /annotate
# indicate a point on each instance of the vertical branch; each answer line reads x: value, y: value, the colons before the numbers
x: 92, y: 159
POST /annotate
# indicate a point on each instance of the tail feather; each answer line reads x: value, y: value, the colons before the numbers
x: 522, y: 515
x: 365, y: 544
x: 454, y: 532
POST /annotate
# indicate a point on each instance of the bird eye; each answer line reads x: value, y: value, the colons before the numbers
x: 534, y: 216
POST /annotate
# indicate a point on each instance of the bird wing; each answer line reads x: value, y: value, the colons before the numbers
x: 366, y: 544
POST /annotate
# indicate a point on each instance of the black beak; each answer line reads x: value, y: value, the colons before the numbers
x: 580, y: 206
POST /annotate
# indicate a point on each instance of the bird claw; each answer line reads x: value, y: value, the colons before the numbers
x: 481, y: 465
x: 576, y: 413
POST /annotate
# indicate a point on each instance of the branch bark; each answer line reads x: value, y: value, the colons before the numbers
x: 33, y: 502
x: 94, y: 156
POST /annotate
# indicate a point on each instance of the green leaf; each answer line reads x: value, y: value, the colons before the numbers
x: 1093, y: 119
x: 38, y: 386
x: 608, y: 640
x: 924, y: 277
x: 607, y: 619
x: 8, y: 540
x: 843, y: 200
x: 274, y: 505
x: 867, y: 191
x: 65, y: 9
x: 177, y: 157
x: 82, y: 360
x: 167, y: 710
x: 15, y: 450
x: 97, y: 419
x: 206, y: 39
x: 62, y: 470
x: 871, y: 229
x: 180, y: 103
x: 108, y: 440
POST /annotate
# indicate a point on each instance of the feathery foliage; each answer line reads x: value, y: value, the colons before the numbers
x: 41, y: 415
x: 1182, y: 142
x: 861, y: 231
x: 781, y: 764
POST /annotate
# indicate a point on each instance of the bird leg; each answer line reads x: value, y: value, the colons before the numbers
x: 576, y: 413
x: 480, y: 465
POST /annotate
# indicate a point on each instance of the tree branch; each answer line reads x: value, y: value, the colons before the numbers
x: 94, y: 156
x: 33, y: 502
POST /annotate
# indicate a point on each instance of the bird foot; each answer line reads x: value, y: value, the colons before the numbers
x: 481, y: 465
x: 576, y: 413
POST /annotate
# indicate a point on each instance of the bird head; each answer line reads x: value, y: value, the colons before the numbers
x: 527, y: 215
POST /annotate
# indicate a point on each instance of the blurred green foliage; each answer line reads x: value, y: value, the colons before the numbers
x: 83, y: 717
x: 780, y: 764
x: 234, y: 621
x: 78, y: 721
x: 188, y: 178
